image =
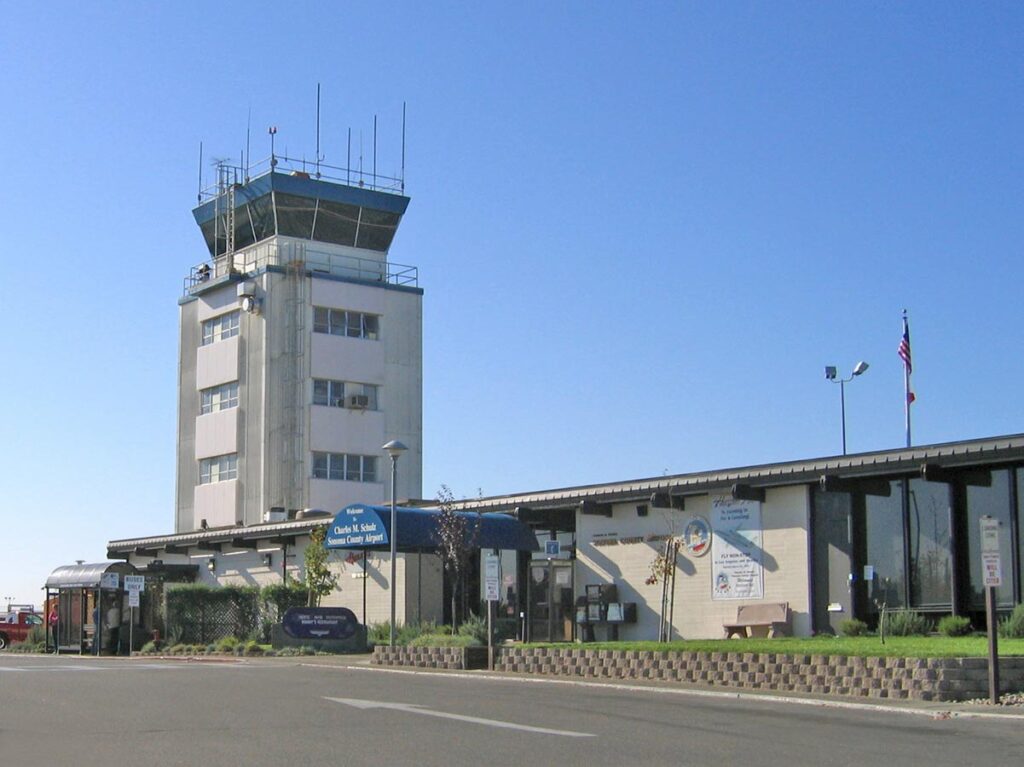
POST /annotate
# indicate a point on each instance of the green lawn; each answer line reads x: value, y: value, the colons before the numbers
x: 908, y: 647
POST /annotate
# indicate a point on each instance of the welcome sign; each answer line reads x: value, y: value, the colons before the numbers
x: 356, y: 527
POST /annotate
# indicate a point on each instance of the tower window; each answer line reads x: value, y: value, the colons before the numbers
x: 220, y: 328
x: 218, y: 398
x: 344, y: 394
x: 218, y: 469
x: 345, y: 466
x: 340, y: 322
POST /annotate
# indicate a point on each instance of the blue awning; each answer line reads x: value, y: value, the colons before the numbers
x: 361, y: 526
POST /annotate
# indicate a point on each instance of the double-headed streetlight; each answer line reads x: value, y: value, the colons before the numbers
x: 394, y: 448
x: 830, y: 374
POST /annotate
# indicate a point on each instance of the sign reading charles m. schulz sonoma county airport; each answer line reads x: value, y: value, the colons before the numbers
x: 736, y: 569
x: 354, y: 527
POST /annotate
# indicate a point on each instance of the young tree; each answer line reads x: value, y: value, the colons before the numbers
x: 456, y: 536
x: 320, y: 581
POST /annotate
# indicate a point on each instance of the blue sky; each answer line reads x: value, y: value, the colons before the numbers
x: 642, y: 231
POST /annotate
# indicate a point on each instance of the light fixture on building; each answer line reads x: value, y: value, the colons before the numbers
x: 394, y: 448
x: 211, y: 564
x: 268, y: 559
x: 831, y: 375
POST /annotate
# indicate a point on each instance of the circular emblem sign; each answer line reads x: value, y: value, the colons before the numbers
x: 697, y: 536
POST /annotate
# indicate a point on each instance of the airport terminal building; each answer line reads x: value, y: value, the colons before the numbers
x: 301, y: 356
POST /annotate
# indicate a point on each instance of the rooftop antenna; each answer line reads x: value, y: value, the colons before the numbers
x: 375, y: 150
x: 360, y: 158
x: 402, y: 180
x: 199, y: 196
x: 272, y: 130
x: 318, y: 130
x: 248, y: 129
x: 348, y: 161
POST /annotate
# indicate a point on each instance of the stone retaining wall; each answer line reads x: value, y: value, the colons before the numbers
x: 932, y: 679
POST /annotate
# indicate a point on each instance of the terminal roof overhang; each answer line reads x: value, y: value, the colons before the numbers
x: 1002, y: 450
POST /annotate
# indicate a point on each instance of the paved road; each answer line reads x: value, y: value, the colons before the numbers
x: 273, y: 712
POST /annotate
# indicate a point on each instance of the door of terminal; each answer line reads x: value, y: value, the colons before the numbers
x: 550, y: 601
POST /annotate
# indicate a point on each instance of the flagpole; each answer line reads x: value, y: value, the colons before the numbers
x: 906, y: 399
x: 906, y: 373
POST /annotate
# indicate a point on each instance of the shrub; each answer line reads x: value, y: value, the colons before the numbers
x: 853, y: 628
x: 36, y: 635
x: 1012, y: 626
x: 444, y: 640
x: 28, y: 647
x: 955, y: 626
x: 476, y: 627
x: 905, y: 623
x: 151, y: 648
x: 199, y: 613
x: 227, y: 644
x: 178, y: 649
x: 253, y: 648
x: 380, y: 633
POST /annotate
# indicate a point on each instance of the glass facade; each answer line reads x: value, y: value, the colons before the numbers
x: 931, y: 557
x: 991, y: 501
x: 887, y: 577
x: 919, y: 547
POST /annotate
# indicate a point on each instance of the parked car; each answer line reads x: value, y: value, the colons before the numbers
x: 14, y: 627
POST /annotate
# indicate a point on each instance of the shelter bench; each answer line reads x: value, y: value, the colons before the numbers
x: 767, y: 619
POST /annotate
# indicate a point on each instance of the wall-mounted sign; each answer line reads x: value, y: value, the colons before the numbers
x: 356, y: 527
x: 320, y: 622
x: 697, y: 537
x: 736, y: 569
x: 552, y: 548
x: 110, y: 581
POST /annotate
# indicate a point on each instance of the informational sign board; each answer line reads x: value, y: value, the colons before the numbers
x: 133, y: 598
x: 736, y: 553
x: 492, y: 578
x: 110, y: 581
x: 320, y: 622
x: 356, y: 527
x: 991, y: 561
x: 552, y: 548
x: 134, y: 583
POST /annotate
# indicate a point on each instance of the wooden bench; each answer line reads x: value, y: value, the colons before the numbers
x: 767, y: 619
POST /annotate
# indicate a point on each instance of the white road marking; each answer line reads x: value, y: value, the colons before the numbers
x: 412, y: 708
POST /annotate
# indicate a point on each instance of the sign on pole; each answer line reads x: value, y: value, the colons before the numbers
x: 133, y: 598
x: 991, y: 562
x: 992, y: 571
x: 492, y: 577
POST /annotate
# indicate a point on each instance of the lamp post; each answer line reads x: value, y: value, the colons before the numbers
x: 830, y: 374
x: 394, y: 448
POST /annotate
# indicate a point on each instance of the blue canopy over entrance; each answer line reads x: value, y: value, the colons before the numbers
x: 361, y: 526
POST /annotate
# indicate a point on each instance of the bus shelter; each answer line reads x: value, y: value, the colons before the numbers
x: 90, y: 605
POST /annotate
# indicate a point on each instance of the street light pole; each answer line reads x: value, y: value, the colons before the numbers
x: 830, y: 374
x: 394, y: 449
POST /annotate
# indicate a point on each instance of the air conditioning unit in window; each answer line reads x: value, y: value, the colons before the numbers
x: 357, y: 401
x: 275, y: 514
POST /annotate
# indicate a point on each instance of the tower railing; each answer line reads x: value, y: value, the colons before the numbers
x: 284, y: 254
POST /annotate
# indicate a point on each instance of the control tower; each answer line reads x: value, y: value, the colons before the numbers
x: 301, y: 348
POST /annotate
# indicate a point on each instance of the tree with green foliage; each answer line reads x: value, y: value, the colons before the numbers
x: 456, y: 536
x: 320, y: 581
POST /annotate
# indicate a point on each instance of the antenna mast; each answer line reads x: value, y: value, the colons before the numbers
x: 318, y: 130
x: 199, y: 195
x: 402, y: 180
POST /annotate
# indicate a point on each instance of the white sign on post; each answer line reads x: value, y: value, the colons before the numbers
x: 133, y: 598
x: 492, y: 578
x: 134, y: 583
x: 991, y: 562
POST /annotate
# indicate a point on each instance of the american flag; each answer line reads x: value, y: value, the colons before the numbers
x: 904, y: 349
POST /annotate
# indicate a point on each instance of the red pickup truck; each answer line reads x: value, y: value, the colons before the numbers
x: 14, y: 627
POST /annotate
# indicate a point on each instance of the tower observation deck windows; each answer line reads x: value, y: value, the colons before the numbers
x: 220, y: 328
x: 339, y: 322
x: 345, y: 466
x: 218, y: 469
